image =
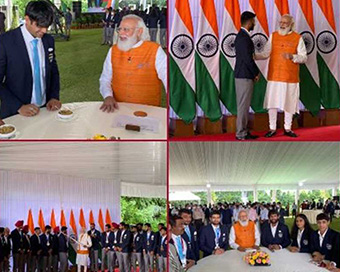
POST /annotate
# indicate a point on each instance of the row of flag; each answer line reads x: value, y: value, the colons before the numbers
x: 72, y: 221
x: 202, y: 65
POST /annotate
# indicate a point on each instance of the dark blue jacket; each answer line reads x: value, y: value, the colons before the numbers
x: 107, y: 20
x: 17, y: 239
x: 126, y: 240
x: 281, y: 236
x: 163, y: 20
x: 137, y: 243
x: 149, y: 244
x: 95, y: 240
x: 245, y: 66
x: 330, y: 245
x: 161, y: 248
x: 193, y: 246
x: 207, y: 239
x: 36, y: 247
x: 62, y: 243
x: 110, y: 242
x: 16, y: 72
x: 55, y: 247
x: 305, y: 243
x: 227, y: 215
x: 153, y: 22
x: 46, y: 245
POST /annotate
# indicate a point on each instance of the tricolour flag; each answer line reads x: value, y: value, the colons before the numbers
x: 182, y: 63
x: 207, y: 61
x: 100, y: 220
x: 327, y: 56
x: 231, y: 25
x: 53, y: 223
x: 108, y: 217
x: 260, y: 36
x: 73, y: 223
x: 30, y: 222
x: 41, y: 221
x: 91, y: 217
x: 281, y: 7
x: 309, y: 73
x: 82, y: 222
x: 62, y: 219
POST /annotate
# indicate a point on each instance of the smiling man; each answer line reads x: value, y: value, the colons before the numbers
x: 28, y: 68
x: 134, y: 69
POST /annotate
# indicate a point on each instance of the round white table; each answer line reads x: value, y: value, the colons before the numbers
x: 88, y: 120
x: 281, y: 261
x: 311, y: 215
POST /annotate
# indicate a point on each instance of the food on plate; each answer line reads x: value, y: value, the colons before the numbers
x: 132, y: 127
x: 65, y: 112
x: 140, y: 113
x: 6, y: 129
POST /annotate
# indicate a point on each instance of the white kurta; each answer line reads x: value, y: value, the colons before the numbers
x: 283, y: 95
x: 82, y: 256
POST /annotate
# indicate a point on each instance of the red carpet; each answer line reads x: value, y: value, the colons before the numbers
x: 319, y: 134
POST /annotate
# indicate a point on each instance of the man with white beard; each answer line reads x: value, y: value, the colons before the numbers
x: 286, y: 50
x: 244, y: 233
x: 134, y: 68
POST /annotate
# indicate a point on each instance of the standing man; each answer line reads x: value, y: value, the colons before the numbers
x: 47, y: 249
x: 63, y: 249
x: 107, y: 248
x: 6, y: 247
x: 286, y: 50
x: 246, y: 73
x: 2, y: 22
x: 17, y: 238
x: 28, y: 67
x: 68, y: 23
x: 137, y: 247
x: 55, y: 249
x: 95, y: 239
x: 27, y: 248
x: 106, y: 24
x: 149, y: 248
x: 124, y: 238
x: 36, y: 249
x: 163, y: 26
x: 162, y: 250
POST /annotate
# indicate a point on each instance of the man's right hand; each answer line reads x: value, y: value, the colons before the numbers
x: 242, y: 249
x: 190, y: 263
x: 29, y: 110
x: 109, y: 105
x: 1, y: 122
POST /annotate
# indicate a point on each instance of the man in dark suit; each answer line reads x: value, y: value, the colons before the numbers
x: 325, y: 242
x: 124, y: 237
x: 28, y: 68
x: 107, y: 240
x: 63, y: 249
x: 2, y: 255
x: 274, y: 234
x: 17, y: 246
x: 190, y: 235
x: 282, y: 212
x: 137, y: 247
x: 6, y: 247
x: 149, y: 247
x: 213, y: 238
x: 95, y: 238
x: 246, y: 73
x: 26, y: 248
x: 55, y: 249
x: 47, y: 249
x: 36, y: 249
x: 319, y: 205
x: 161, y: 250
x: 106, y: 25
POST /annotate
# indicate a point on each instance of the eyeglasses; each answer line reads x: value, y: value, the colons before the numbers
x: 125, y: 29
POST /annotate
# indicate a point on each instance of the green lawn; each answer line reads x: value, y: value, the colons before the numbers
x: 80, y: 63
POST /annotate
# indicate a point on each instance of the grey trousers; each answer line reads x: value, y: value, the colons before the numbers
x: 244, y: 92
x: 137, y: 257
x: 109, y: 35
x: 46, y: 263
x: 161, y: 264
x: 55, y: 262
x: 18, y: 262
x: 148, y: 262
x: 94, y: 259
x: 110, y: 260
x: 35, y: 263
x: 123, y: 261
x: 63, y: 259
x: 153, y: 34
x: 162, y: 33
x: 104, y: 35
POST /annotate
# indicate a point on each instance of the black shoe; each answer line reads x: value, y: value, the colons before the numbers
x: 251, y: 136
x: 290, y: 133
x: 270, y: 133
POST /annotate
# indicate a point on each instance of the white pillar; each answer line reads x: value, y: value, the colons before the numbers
x: 273, y: 195
x: 334, y: 190
x: 209, y: 200
x: 244, y: 197
x: 255, y: 195
x: 9, y: 13
x: 297, y: 194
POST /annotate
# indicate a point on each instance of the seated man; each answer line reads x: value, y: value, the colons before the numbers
x: 28, y: 69
x: 325, y: 242
x: 274, y: 235
x: 134, y: 68
x: 213, y: 238
x: 244, y: 233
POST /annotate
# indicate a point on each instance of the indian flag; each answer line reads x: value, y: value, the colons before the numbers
x: 182, y: 63
x: 231, y: 25
x: 260, y: 36
x: 327, y: 56
x: 207, y: 61
x: 281, y: 7
x: 309, y: 73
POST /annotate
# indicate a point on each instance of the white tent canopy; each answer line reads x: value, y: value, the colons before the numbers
x: 140, y: 167
x: 233, y: 166
x: 182, y: 196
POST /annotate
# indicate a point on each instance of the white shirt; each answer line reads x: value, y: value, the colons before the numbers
x: 28, y: 38
x: 106, y: 76
x: 184, y: 245
x: 216, y: 240
x: 232, y: 237
x: 273, y: 229
x: 322, y: 237
x: 299, y: 236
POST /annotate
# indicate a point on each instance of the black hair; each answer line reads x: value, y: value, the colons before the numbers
x: 274, y: 211
x: 47, y: 227
x: 148, y: 225
x: 161, y: 224
x: 308, y: 229
x: 108, y: 226
x: 63, y: 228
x: 181, y: 211
x: 246, y: 16
x: 215, y: 212
x: 40, y: 12
x: 322, y: 216
x: 173, y: 219
x: 163, y: 228
x: 36, y: 228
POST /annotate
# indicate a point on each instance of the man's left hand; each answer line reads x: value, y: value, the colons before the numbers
x: 1, y: 122
x: 53, y: 105
x: 219, y: 251
x: 256, y: 247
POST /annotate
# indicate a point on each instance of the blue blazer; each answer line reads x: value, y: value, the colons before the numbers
x: 95, y: 240
x: 207, y: 239
x: 16, y: 72
x: 17, y: 240
x: 62, y: 242
x: 245, y: 66
x: 111, y: 239
x: 149, y: 244
x: 281, y: 236
x: 45, y: 248
x: 35, y: 245
x: 305, y: 243
x: 330, y: 245
x: 126, y: 240
x: 137, y: 243
x: 193, y: 246
x: 161, y: 249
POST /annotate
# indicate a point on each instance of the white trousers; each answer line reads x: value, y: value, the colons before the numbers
x: 273, y: 119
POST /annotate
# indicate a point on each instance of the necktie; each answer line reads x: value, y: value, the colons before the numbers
x: 187, y: 230
x: 217, y: 235
x: 180, y: 248
x: 36, y: 65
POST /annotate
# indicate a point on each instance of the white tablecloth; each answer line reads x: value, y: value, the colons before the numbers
x: 311, y: 215
x: 87, y: 121
x: 281, y: 261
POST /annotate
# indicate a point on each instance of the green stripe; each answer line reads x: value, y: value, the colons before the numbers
x: 206, y: 91
x: 227, y: 83
x: 258, y: 95
x: 309, y: 91
x: 182, y: 96
x: 330, y: 91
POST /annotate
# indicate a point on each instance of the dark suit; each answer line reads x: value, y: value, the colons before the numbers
x: 207, y: 239
x: 55, y: 252
x: 192, y: 244
x: 137, y: 251
x: 124, y: 237
x: 63, y: 250
x: 6, y: 251
x: 305, y: 243
x: 95, y: 239
x: 16, y: 72
x: 47, y: 251
x: 149, y: 246
x: 245, y: 73
x: 330, y: 245
x: 161, y: 251
x: 17, y: 245
x: 36, y: 250
x: 108, y: 240
x: 281, y: 236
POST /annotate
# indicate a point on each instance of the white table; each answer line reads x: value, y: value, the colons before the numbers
x: 87, y: 121
x: 281, y: 261
x: 311, y: 215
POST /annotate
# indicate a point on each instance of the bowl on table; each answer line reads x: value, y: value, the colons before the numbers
x: 65, y: 114
x: 7, y: 131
